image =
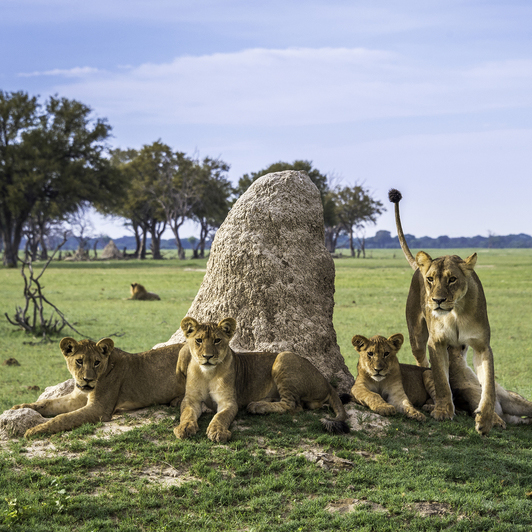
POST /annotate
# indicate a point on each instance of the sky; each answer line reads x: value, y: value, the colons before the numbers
x: 432, y: 97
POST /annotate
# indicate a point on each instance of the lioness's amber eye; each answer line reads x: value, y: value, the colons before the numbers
x: 198, y: 341
x: 430, y: 279
x: 217, y: 341
x: 452, y: 279
x: 96, y: 363
x: 370, y: 354
x: 386, y: 354
x: 79, y: 361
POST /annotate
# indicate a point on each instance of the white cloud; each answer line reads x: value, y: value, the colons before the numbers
x: 298, y: 86
x: 76, y: 72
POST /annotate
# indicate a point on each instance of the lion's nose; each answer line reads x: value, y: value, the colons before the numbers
x: 207, y: 357
x: 87, y: 380
x: 438, y: 301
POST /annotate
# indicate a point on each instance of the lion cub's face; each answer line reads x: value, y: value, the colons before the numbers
x: 86, y: 360
x: 446, y: 280
x: 208, y: 342
x: 378, y: 355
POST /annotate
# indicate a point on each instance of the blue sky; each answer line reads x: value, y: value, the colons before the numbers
x: 433, y: 97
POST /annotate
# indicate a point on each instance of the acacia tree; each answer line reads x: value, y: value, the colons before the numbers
x: 52, y: 160
x: 175, y: 188
x: 212, y: 201
x: 355, y: 208
x: 139, y: 204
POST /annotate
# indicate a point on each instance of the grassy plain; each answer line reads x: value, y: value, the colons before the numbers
x: 407, y: 476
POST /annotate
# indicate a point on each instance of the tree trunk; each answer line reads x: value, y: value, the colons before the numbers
x: 11, y: 245
x: 351, y: 243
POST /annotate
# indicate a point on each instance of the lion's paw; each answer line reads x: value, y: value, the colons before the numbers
x: 34, y: 430
x: 186, y: 429
x: 218, y: 434
x: 498, y: 421
x: 256, y: 408
x: 23, y: 405
x: 484, y: 422
x: 385, y: 410
x: 416, y: 414
x: 441, y: 413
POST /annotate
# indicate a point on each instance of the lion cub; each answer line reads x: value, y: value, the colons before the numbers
x: 140, y: 293
x: 226, y: 381
x: 108, y: 379
x: 384, y: 385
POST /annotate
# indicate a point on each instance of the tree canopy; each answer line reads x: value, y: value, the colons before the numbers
x: 52, y: 160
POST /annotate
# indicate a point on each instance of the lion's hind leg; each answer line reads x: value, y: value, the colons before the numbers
x: 516, y: 410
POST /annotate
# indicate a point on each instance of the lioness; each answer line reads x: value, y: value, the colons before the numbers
x: 141, y: 294
x: 108, y: 379
x: 384, y: 385
x: 446, y: 307
x: 264, y: 382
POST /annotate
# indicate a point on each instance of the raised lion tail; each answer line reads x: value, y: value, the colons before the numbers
x: 395, y: 197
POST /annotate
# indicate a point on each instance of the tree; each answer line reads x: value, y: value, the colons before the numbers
x: 212, y: 200
x: 319, y: 179
x: 52, y: 160
x: 142, y: 171
x: 355, y: 208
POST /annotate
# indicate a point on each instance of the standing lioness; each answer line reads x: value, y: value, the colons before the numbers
x: 446, y: 309
x: 264, y: 382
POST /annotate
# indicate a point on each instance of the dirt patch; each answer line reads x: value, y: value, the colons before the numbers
x: 351, y: 505
x: 431, y: 509
x: 166, y: 476
x: 359, y: 418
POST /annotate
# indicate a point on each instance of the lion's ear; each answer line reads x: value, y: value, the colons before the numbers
x: 106, y: 345
x: 67, y: 346
x: 470, y: 262
x: 359, y: 342
x: 423, y: 260
x: 189, y: 326
x: 228, y: 326
x: 396, y: 340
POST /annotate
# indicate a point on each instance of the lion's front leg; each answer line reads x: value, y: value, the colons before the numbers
x: 59, y: 405
x: 439, y: 359
x: 218, y: 429
x: 484, y: 414
x: 372, y: 400
x: 188, y: 422
x: 70, y: 420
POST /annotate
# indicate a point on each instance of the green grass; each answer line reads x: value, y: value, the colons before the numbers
x: 261, y: 480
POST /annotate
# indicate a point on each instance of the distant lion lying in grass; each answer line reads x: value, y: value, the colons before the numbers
x: 140, y: 293
x: 108, y: 379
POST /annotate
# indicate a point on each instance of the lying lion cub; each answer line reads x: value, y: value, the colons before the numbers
x: 384, y: 385
x: 108, y: 379
x: 510, y: 407
x: 264, y: 382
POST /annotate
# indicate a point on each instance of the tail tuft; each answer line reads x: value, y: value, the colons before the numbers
x: 335, y: 427
x: 394, y: 195
x: 345, y: 398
